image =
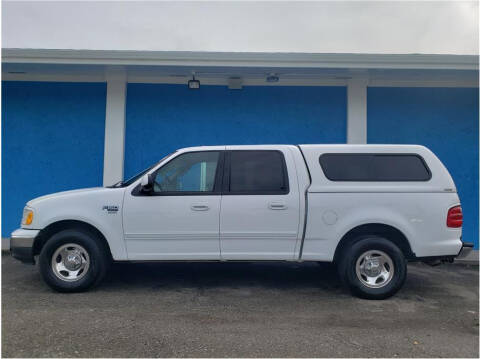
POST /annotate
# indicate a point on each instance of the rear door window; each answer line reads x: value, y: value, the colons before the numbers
x: 257, y: 172
x: 374, y: 167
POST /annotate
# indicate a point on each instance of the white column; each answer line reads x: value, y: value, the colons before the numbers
x: 357, y: 110
x: 113, y: 156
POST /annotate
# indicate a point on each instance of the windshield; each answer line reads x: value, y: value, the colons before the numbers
x: 137, y: 176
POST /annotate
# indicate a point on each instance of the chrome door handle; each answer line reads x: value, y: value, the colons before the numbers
x: 277, y: 205
x: 199, y: 207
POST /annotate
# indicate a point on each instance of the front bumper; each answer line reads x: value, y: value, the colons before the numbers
x: 21, y: 244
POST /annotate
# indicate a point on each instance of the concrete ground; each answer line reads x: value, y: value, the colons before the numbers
x: 239, y: 310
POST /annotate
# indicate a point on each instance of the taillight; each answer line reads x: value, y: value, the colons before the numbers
x: 455, y: 217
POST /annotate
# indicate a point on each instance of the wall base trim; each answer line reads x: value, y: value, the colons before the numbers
x: 5, y: 244
x: 471, y: 258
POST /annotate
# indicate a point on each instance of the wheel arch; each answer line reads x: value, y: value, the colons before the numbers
x: 55, y: 227
x: 386, y: 231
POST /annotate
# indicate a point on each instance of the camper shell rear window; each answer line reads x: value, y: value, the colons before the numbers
x: 374, y: 167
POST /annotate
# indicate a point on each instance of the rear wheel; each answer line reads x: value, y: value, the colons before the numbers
x: 73, y: 261
x: 373, y: 268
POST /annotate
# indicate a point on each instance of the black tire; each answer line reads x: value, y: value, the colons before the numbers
x: 97, y: 258
x: 348, y: 272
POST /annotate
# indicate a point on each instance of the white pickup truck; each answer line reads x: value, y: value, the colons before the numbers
x: 367, y: 208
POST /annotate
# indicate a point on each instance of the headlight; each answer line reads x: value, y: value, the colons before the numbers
x: 27, y: 218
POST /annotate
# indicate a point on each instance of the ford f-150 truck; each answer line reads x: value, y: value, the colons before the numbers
x: 368, y: 208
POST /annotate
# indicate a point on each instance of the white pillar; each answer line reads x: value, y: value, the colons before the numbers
x: 113, y: 156
x: 357, y: 110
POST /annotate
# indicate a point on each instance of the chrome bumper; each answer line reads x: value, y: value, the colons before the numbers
x: 21, y: 244
x: 467, y: 247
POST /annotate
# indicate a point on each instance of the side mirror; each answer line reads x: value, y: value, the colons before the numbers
x: 147, y: 183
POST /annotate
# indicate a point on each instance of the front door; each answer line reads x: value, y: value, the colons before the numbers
x: 179, y: 219
x: 259, y: 219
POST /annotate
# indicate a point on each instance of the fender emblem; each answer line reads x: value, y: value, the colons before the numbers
x: 110, y: 209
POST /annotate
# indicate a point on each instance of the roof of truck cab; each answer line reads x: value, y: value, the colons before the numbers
x: 335, y: 145
x: 325, y: 145
x: 224, y: 147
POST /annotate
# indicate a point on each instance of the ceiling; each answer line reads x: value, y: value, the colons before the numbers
x: 179, y: 74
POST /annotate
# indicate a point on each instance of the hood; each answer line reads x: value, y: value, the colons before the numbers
x: 66, y: 194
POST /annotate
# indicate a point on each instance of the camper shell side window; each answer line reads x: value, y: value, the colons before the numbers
x: 375, y: 167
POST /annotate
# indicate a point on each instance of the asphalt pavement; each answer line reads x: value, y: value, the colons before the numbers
x: 239, y: 310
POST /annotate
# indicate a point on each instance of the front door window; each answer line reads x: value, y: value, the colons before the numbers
x: 189, y: 172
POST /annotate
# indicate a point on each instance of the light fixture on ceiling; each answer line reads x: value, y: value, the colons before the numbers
x: 193, y: 84
x: 272, y: 78
x: 235, y: 83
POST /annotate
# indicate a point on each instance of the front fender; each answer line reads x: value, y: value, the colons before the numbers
x: 101, y: 208
x: 112, y: 234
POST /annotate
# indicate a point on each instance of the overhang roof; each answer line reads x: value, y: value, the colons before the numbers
x: 240, y: 59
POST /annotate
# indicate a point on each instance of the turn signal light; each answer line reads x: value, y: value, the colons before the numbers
x: 29, y: 218
x: 455, y: 217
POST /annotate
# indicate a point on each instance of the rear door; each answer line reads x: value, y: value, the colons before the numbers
x: 259, y: 218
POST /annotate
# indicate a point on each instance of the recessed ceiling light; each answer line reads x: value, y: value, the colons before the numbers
x: 235, y: 83
x: 272, y: 78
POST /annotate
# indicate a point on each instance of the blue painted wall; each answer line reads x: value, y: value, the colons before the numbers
x: 53, y: 133
x: 443, y: 119
x: 163, y: 118
x: 52, y: 140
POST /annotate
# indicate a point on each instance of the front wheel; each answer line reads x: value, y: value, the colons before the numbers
x: 72, y: 261
x: 373, y: 268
